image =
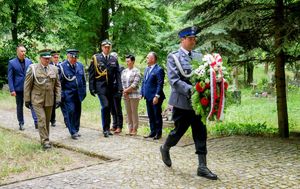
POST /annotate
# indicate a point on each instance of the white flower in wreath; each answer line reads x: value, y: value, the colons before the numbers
x: 208, y: 58
x: 207, y: 80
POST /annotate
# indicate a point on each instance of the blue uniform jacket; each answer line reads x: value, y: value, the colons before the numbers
x: 154, y: 84
x: 180, y: 86
x: 16, y: 75
x: 72, y: 81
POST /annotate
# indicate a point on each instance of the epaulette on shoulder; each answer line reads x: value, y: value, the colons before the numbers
x: 175, y: 52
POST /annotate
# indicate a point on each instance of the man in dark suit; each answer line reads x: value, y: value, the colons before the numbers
x: 103, y: 72
x: 152, y: 91
x: 179, y: 71
x: 73, y: 91
x: 55, y: 62
x: 16, y: 76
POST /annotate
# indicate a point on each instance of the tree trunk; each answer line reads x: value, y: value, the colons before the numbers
x: 235, y: 74
x: 266, y: 68
x: 250, y: 68
x: 14, y: 7
x: 282, y: 114
x: 105, y: 21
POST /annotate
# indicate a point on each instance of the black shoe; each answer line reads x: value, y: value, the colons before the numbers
x: 53, y: 124
x: 105, y: 134
x: 74, y: 136
x: 151, y: 135
x: 46, y: 146
x: 206, y: 173
x: 165, y: 154
x: 157, y: 137
x: 21, y: 127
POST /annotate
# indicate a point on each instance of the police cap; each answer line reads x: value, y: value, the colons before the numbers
x: 54, y: 52
x: 45, y: 53
x: 73, y: 53
x: 106, y: 43
x: 188, y: 32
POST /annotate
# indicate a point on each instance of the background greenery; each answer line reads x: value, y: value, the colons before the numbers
x: 247, y: 33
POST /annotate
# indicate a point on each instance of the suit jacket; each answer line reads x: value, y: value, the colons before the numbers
x: 180, y: 86
x: 16, y: 74
x: 77, y: 86
x: 154, y: 84
x: 41, y: 87
x: 104, y: 84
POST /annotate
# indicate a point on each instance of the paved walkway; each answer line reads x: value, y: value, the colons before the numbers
x: 132, y: 162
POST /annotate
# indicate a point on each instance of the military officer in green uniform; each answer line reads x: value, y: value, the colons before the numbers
x: 41, y: 87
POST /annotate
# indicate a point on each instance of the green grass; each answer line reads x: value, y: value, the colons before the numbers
x: 19, y: 155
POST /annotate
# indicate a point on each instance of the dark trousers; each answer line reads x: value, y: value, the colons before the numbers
x: 155, y: 117
x: 20, y: 105
x: 183, y: 119
x: 71, y: 109
x: 116, y: 112
x: 53, y: 114
x: 106, y: 103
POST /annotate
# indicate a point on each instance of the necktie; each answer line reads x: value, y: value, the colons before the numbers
x: 147, y: 72
x: 45, y: 68
x: 190, y: 54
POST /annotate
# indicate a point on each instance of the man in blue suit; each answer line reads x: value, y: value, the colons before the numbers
x: 16, y: 76
x: 73, y: 91
x: 152, y: 91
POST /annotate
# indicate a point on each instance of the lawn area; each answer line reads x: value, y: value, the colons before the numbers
x: 22, y: 158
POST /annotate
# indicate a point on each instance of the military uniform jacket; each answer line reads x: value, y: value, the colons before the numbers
x: 180, y: 86
x: 103, y: 74
x: 40, y: 87
x: 16, y: 74
x: 72, y: 81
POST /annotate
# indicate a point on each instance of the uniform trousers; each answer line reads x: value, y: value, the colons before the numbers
x: 71, y: 109
x: 183, y: 119
x: 43, y: 114
x: 106, y: 103
x: 116, y: 112
x: 20, y: 106
x: 131, y: 105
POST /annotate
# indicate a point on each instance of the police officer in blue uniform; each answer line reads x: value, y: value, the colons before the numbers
x: 73, y: 88
x: 16, y: 76
x: 55, y: 62
x: 179, y: 72
x: 103, y: 72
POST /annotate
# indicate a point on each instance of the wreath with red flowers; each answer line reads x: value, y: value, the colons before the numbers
x: 210, y: 86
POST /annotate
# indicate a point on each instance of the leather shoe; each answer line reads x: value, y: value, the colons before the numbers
x: 151, y: 135
x: 157, y: 137
x: 53, y: 124
x: 165, y: 154
x: 203, y: 171
x: 105, y: 134
x: 46, y: 146
x: 113, y: 129
x: 21, y: 127
x: 74, y: 136
x: 118, y: 130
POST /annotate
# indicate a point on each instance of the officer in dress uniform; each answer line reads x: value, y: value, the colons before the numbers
x: 41, y: 86
x: 55, y: 62
x: 73, y: 86
x: 16, y: 76
x: 179, y: 72
x: 103, y: 72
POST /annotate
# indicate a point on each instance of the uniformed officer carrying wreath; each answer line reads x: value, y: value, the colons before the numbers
x: 103, y: 72
x: 73, y: 86
x: 41, y: 86
x: 179, y: 70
